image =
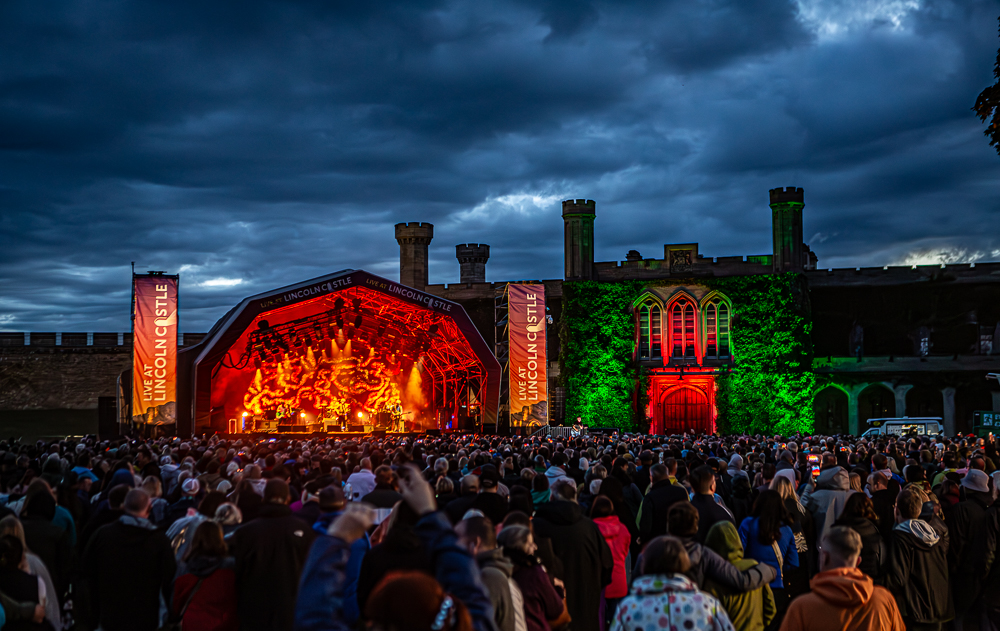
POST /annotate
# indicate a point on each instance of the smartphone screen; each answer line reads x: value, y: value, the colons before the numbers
x: 815, y: 471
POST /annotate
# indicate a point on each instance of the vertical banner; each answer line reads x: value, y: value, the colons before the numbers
x: 529, y: 400
x: 154, y: 350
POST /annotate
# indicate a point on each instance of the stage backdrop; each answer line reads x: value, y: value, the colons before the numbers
x: 529, y: 399
x: 154, y: 354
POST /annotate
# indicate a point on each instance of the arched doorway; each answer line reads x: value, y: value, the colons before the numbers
x: 686, y: 409
x: 830, y: 411
x: 924, y: 401
x: 875, y: 401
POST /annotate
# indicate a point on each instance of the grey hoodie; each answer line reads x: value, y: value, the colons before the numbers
x: 921, y: 530
x: 495, y: 570
x: 827, y: 501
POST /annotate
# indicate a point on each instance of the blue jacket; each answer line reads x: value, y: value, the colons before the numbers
x: 761, y: 553
x: 320, y: 604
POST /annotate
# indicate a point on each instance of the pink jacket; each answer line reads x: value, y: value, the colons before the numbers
x: 618, y: 539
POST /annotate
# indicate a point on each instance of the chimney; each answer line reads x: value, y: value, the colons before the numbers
x: 578, y: 238
x: 786, y: 228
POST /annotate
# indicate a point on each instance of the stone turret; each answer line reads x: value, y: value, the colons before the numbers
x: 786, y: 227
x: 578, y: 238
x: 472, y: 257
x: 413, y: 239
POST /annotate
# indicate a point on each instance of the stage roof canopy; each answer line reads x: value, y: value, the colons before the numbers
x: 305, y: 331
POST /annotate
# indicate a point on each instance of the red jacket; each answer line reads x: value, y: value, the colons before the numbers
x: 617, y: 537
x: 213, y: 607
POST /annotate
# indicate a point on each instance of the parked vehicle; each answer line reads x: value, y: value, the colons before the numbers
x: 921, y: 426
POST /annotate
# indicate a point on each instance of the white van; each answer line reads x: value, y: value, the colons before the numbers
x: 921, y: 426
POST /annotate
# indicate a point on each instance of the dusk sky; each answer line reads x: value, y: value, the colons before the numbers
x: 250, y: 145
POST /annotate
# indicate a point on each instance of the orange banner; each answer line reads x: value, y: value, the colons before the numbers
x: 154, y: 350
x: 529, y: 399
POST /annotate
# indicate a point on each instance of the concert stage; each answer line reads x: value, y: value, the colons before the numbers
x: 348, y: 353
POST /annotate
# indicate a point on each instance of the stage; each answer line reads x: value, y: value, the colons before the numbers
x: 347, y: 350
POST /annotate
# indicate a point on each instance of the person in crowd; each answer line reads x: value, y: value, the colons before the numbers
x: 543, y: 603
x: 47, y: 540
x: 181, y: 531
x: 478, y: 536
x: 843, y: 598
x: 362, y: 481
x: 246, y: 497
x: 457, y: 508
x: 205, y: 590
x: 656, y: 504
x: 489, y: 500
x: 705, y: 564
x: 859, y: 515
x: 825, y: 502
x: 444, y: 492
x: 972, y: 544
x: 917, y: 570
x: 190, y: 490
x: 617, y: 536
x: 797, y: 579
x: 586, y: 558
x: 154, y: 488
x: 129, y: 567
x: 308, y: 508
x: 883, y: 502
x: 767, y: 538
x: 663, y: 597
x: 10, y: 525
x: 19, y: 585
x: 270, y: 552
x: 384, y: 495
x: 751, y: 610
x: 711, y: 509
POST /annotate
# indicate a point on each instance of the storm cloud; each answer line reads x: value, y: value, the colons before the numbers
x: 255, y: 144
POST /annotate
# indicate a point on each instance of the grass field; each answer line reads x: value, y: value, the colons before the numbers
x: 35, y: 424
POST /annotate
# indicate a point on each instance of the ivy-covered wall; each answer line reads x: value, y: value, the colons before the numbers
x: 767, y: 391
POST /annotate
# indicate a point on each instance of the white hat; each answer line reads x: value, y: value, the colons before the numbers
x: 976, y: 480
x: 191, y: 486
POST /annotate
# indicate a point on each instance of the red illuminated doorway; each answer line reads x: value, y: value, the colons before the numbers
x: 686, y: 410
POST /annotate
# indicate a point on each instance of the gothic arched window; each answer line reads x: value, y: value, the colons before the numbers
x: 717, y: 336
x: 650, y: 345
x: 682, y: 328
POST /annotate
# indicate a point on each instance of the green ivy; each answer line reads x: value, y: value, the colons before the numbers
x: 767, y: 391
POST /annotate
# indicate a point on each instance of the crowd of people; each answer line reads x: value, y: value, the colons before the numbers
x: 492, y: 533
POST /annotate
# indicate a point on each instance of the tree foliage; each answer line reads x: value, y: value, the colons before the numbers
x: 988, y: 107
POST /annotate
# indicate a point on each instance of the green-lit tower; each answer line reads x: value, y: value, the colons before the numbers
x: 786, y: 225
x: 578, y: 238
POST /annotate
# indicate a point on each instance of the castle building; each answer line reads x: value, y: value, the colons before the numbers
x: 766, y: 342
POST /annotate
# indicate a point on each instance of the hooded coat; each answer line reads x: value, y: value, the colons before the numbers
x: 617, y: 537
x: 843, y: 599
x: 707, y: 564
x: 213, y: 606
x: 827, y: 501
x: 917, y: 573
x: 748, y: 610
x: 586, y: 558
x: 496, y: 570
x: 971, y: 548
x: 669, y: 601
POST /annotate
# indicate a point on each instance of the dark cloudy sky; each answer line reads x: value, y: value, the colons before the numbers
x: 248, y: 145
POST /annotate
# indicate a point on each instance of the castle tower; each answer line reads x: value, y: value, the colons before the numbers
x: 472, y: 258
x: 578, y: 238
x: 413, y: 239
x: 786, y: 227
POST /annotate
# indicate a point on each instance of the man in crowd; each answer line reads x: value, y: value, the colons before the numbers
x: 586, y: 558
x: 657, y: 502
x: 362, y: 482
x: 128, y: 566
x: 843, y: 598
x: 478, y: 536
x: 710, y: 508
x: 384, y: 495
x: 270, y: 552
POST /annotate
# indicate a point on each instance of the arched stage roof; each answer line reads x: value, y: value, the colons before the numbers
x: 384, y: 315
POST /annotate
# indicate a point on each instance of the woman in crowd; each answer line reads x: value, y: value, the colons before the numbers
x: 36, y: 567
x: 750, y: 610
x: 797, y: 579
x: 20, y: 585
x: 767, y: 538
x: 543, y: 605
x: 205, y: 589
x: 859, y: 514
x: 663, y: 597
x: 617, y: 536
